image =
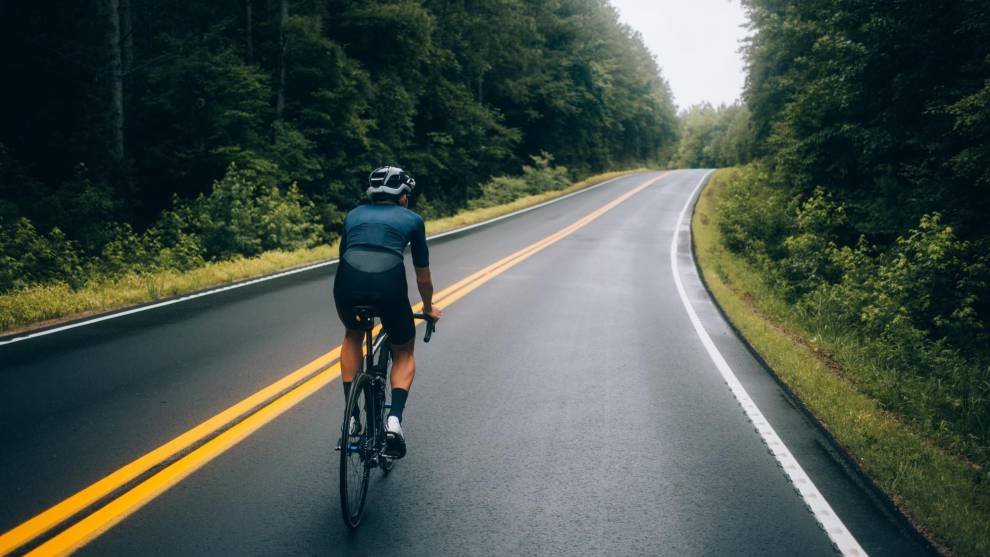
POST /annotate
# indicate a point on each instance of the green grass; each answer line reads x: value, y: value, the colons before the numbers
x: 946, y: 496
x: 42, y: 305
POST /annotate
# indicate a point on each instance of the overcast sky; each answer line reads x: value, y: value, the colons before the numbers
x: 696, y: 43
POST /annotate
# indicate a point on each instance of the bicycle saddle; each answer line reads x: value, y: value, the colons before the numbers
x: 365, y: 316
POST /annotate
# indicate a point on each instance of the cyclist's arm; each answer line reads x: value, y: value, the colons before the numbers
x: 421, y: 262
x: 424, y: 281
x: 417, y: 245
x: 343, y: 238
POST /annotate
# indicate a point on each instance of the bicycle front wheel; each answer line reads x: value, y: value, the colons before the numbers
x: 356, y: 446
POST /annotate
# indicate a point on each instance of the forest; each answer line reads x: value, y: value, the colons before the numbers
x: 866, y: 197
x: 155, y: 134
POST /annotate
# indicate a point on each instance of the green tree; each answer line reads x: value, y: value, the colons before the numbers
x: 156, y: 99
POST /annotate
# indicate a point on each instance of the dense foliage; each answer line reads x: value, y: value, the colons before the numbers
x: 714, y: 137
x: 541, y: 177
x: 885, y: 105
x: 868, y: 207
x: 162, y: 134
x: 907, y: 313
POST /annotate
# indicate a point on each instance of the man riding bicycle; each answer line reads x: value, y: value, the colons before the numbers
x: 371, y: 272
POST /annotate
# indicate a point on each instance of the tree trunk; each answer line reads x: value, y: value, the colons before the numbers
x: 116, y: 82
x: 283, y: 45
x: 127, y: 36
x: 249, y: 31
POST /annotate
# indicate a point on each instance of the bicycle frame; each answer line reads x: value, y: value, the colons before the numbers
x: 370, y: 448
x: 377, y: 376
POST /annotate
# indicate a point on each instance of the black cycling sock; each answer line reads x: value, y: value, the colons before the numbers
x: 398, y: 402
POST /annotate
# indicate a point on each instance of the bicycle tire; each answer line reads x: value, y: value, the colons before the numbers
x: 354, y: 452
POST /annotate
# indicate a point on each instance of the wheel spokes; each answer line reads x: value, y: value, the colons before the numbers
x: 355, y: 454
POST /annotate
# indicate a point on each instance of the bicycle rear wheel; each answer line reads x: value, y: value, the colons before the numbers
x: 355, y: 451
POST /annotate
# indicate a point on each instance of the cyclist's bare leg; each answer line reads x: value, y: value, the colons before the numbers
x: 351, y: 354
x: 403, y: 365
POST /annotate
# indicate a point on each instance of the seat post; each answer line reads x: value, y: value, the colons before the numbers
x: 366, y: 318
x: 369, y: 356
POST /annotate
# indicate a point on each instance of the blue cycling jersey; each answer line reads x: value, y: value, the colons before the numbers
x: 386, y: 226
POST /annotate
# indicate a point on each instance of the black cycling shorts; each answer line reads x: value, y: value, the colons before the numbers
x: 374, y: 278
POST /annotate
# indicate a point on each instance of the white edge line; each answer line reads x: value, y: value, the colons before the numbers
x: 114, y: 315
x: 820, y: 509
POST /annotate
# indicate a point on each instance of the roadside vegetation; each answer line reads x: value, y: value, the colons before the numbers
x: 912, y: 424
x: 165, y: 139
x: 144, y: 273
x: 851, y: 244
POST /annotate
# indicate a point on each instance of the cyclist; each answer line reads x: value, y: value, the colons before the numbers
x: 371, y: 272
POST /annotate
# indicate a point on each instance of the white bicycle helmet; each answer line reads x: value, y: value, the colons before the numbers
x: 390, y: 180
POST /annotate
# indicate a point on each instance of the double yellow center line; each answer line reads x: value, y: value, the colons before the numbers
x: 233, y: 424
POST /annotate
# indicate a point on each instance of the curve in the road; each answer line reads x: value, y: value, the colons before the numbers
x: 820, y: 508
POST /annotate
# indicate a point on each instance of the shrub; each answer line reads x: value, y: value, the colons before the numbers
x: 178, y: 249
x: 81, y: 207
x: 500, y: 190
x: 183, y: 254
x: 246, y: 213
x: 810, y: 253
x: 28, y: 257
x: 754, y: 220
x: 930, y: 280
x: 543, y: 176
x: 539, y: 178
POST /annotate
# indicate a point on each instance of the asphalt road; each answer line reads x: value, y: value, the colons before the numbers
x: 565, y: 407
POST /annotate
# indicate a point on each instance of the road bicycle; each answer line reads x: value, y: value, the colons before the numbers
x: 362, y: 445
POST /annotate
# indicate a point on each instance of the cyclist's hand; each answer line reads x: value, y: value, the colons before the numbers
x: 434, y: 313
